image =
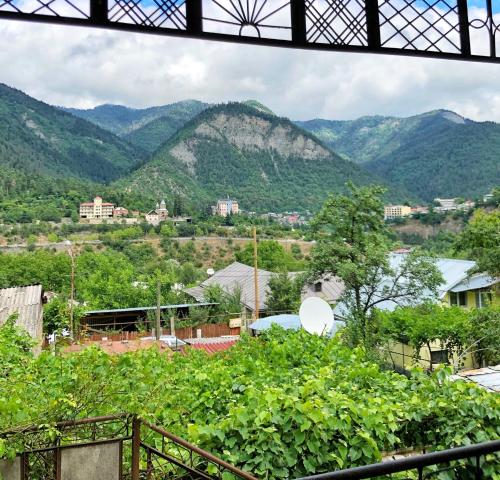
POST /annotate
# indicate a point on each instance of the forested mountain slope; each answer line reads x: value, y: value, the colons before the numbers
x: 264, y: 161
x: 38, y: 138
x: 434, y: 154
x: 123, y: 120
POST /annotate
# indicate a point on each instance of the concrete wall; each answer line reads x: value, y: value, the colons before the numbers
x: 91, y: 462
x: 10, y: 469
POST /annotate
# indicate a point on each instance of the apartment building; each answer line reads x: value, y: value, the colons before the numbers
x: 96, y: 209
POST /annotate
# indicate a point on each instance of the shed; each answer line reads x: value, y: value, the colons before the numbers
x: 27, y: 302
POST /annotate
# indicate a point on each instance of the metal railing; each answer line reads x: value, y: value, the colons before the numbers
x: 462, y: 463
x: 169, y: 456
x: 146, y: 451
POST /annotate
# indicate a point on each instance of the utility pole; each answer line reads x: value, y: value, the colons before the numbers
x: 158, y: 310
x: 71, y: 254
x: 255, y: 273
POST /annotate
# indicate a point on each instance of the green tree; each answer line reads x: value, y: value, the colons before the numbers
x: 178, y: 207
x: 284, y: 293
x: 353, y: 245
x: 484, y: 336
x: 271, y: 256
x: 481, y: 240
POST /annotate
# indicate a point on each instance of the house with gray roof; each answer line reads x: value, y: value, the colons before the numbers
x: 241, y: 276
x: 461, y: 286
x: 27, y: 302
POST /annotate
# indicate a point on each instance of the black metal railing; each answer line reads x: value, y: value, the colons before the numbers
x: 145, y: 451
x: 462, y: 463
x: 427, y: 28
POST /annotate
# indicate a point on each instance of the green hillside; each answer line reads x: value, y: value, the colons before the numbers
x: 434, y: 154
x: 38, y: 138
x: 123, y: 120
x: 264, y: 161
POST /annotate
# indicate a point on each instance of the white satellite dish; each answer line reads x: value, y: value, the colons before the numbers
x: 210, y: 271
x: 316, y: 316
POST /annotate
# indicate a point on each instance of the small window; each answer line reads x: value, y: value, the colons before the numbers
x: 439, y: 356
x: 483, y: 298
x: 458, y: 298
x: 317, y: 286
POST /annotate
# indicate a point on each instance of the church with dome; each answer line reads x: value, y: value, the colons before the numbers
x: 158, y: 215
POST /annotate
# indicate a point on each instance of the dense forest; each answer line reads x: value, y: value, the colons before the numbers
x: 264, y: 161
x: 436, y: 154
x: 38, y: 138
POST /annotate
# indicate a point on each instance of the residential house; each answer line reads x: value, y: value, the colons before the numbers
x: 460, y: 287
x: 27, y: 303
x: 240, y: 276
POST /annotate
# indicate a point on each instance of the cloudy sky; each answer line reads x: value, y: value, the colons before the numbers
x: 85, y: 67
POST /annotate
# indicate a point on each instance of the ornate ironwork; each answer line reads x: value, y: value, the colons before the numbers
x: 56, y: 8
x: 336, y: 22
x: 426, y: 25
x: 155, y: 13
x: 258, y: 18
x: 488, y: 27
x: 451, y: 29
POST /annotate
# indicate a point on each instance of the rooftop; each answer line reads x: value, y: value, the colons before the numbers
x: 26, y: 301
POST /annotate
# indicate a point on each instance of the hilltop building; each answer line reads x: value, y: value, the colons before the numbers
x: 226, y: 207
x: 396, y: 211
x: 96, y: 209
x: 450, y: 205
x: 158, y: 215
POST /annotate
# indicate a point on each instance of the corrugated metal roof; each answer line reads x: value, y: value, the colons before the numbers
x: 487, y: 378
x: 142, y: 309
x: 481, y: 280
x: 238, y: 275
x: 212, y: 345
x: 26, y: 301
x: 117, y: 347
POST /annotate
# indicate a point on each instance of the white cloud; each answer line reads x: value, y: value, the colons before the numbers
x: 85, y: 67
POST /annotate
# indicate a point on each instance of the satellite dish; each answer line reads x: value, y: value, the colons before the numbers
x: 210, y: 271
x: 316, y: 316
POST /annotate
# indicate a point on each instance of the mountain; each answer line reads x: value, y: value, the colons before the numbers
x: 123, y: 121
x: 265, y: 162
x: 38, y: 138
x: 436, y: 154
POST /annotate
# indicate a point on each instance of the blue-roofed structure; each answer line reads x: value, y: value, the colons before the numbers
x: 457, y: 277
x: 288, y: 322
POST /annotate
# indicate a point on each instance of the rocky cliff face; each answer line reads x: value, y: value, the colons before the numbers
x: 264, y: 161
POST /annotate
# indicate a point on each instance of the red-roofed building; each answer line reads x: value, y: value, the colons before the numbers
x: 211, y: 345
x: 96, y: 209
x: 117, y: 347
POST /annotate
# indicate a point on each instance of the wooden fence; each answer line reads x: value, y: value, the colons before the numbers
x: 208, y: 330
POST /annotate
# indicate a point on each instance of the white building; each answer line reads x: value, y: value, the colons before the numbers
x: 158, y: 215
x: 96, y: 209
x: 226, y: 207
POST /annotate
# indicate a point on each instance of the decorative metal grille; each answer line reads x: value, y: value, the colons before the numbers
x: 484, y: 28
x: 340, y: 22
x: 453, y: 29
x: 149, y: 13
x: 256, y: 18
x: 56, y: 8
x: 40, y: 465
x: 425, y: 25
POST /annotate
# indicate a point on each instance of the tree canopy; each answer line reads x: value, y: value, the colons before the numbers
x: 353, y: 244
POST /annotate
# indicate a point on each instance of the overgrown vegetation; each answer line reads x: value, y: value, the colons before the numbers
x: 283, y: 405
